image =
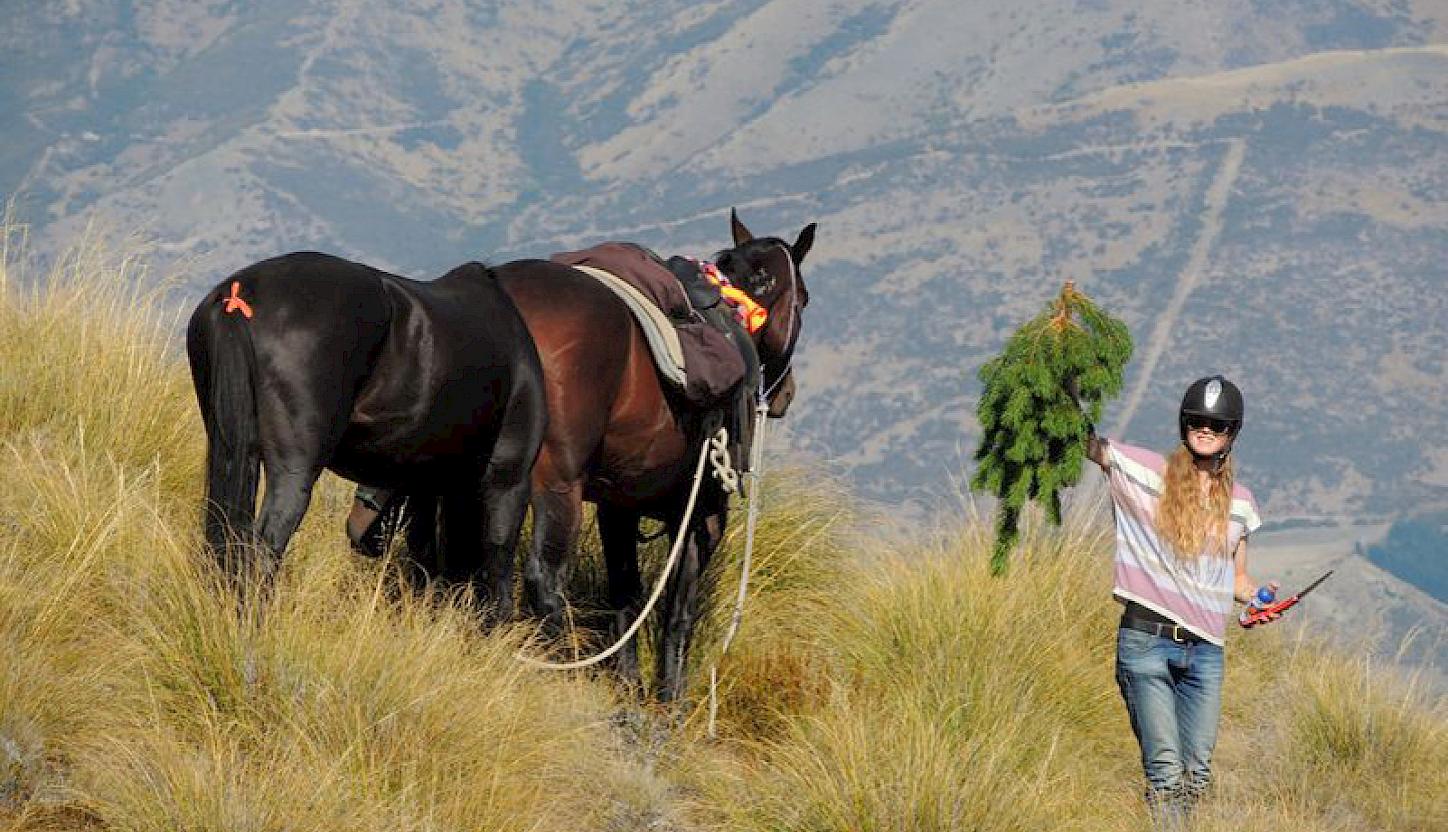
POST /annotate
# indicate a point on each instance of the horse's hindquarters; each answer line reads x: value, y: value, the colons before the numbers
x: 611, y: 422
x: 436, y: 384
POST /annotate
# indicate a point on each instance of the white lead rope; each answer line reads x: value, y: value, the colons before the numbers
x: 761, y: 412
x: 658, y: 586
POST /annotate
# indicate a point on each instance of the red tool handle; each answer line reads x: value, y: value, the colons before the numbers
x: 1265, y: 614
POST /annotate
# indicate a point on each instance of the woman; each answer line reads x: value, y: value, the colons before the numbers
x: 1181, y: 559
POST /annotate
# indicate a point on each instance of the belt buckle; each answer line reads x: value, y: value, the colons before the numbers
x: 1176, y: 636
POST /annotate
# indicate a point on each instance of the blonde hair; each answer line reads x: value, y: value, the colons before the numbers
x: 1190, y: 522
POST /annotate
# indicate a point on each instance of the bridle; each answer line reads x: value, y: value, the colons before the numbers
x: 791, y: 334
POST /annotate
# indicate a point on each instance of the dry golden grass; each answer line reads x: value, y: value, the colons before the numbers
x: 945, y: 699
x: 899, y: 689
x: 132, y: 696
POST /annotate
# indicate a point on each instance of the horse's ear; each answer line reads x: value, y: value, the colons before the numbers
x: 742, y: 235
x: 802, y: 245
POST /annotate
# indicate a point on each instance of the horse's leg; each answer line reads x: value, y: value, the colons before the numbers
x: 503, y: 505
x: 419, y: 518
x: 288, y: 492
x: 507, y: 481
x: 681, y: 611
x: 479, y: 533
x: 302, y: 419
x: 454, y: 561
x: 462, y: 554
x: 557, y: 515
x: 618, y: 530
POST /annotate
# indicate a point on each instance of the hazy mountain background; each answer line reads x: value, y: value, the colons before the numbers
x: 1255, y: 187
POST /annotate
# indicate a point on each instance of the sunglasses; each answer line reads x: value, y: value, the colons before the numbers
x: 1217, y: 426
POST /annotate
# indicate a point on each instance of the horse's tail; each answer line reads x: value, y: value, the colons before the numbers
x: 223, y: 367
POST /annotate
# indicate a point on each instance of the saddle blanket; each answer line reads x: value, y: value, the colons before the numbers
x: 658, y: 329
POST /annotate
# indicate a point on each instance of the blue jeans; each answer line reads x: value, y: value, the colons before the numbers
x: 1173, y: 693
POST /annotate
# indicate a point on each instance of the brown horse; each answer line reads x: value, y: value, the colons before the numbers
x: 618, y: 437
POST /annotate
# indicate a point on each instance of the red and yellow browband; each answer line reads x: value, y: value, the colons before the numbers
x: 749, y: 311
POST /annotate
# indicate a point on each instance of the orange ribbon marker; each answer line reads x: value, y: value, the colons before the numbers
x: 235, y: 303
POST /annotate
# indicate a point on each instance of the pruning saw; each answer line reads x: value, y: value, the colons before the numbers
x: 1265, y: 614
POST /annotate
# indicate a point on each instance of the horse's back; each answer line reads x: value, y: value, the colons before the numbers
x: 300, y: 307
x: 584, y: 334
x: 457, y: 363
x: 552, y: 294
x: 307, y: 299
x: 473, y: 336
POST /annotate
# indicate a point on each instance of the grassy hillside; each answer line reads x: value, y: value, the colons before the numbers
x: 872, y: 687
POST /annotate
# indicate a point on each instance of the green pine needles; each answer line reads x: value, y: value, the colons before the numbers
x: 1042, y: 396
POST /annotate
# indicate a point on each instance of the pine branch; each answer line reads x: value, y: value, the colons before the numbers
x: 1042, y: 396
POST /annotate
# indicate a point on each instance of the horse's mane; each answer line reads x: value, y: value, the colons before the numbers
x: 473, y: 269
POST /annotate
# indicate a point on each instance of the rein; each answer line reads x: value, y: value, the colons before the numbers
x: 746, y: 565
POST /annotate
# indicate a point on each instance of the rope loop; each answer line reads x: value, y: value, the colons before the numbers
x: 723, y: 466
x: 653, y: 596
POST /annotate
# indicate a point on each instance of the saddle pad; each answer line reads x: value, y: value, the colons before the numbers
x: 659, y: 332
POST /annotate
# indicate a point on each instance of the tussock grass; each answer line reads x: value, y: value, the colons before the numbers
x: 133, y: 695
x: 946, y: 699
x: 945, y: 705
x: 872, y: 687
x: 802, y: 543
x: 1369, y: 742
x: 91, y: 361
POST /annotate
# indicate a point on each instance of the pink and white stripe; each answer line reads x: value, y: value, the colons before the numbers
x: 1196, y: 594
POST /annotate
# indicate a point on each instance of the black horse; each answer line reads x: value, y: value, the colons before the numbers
x: 307, y: 361
x: 623, y: 439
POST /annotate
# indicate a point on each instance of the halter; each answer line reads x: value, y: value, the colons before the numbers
x: 791, y: 334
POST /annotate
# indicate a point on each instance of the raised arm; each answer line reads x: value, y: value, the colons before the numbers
x: 1095, y: 445
x: 1096, y: 450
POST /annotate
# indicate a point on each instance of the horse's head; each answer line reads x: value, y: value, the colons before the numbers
x: 768, y: 269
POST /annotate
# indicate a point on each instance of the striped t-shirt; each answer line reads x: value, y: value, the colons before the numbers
x: 1196, y: 593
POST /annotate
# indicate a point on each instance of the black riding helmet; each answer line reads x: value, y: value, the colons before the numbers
x: 1213, y: 397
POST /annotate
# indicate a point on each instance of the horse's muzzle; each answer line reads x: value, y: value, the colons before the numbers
x: 780, y: 401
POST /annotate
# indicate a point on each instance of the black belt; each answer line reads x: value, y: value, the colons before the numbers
x: 1175, y: 632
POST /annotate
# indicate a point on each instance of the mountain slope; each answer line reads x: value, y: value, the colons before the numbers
x: 1252, y: 187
